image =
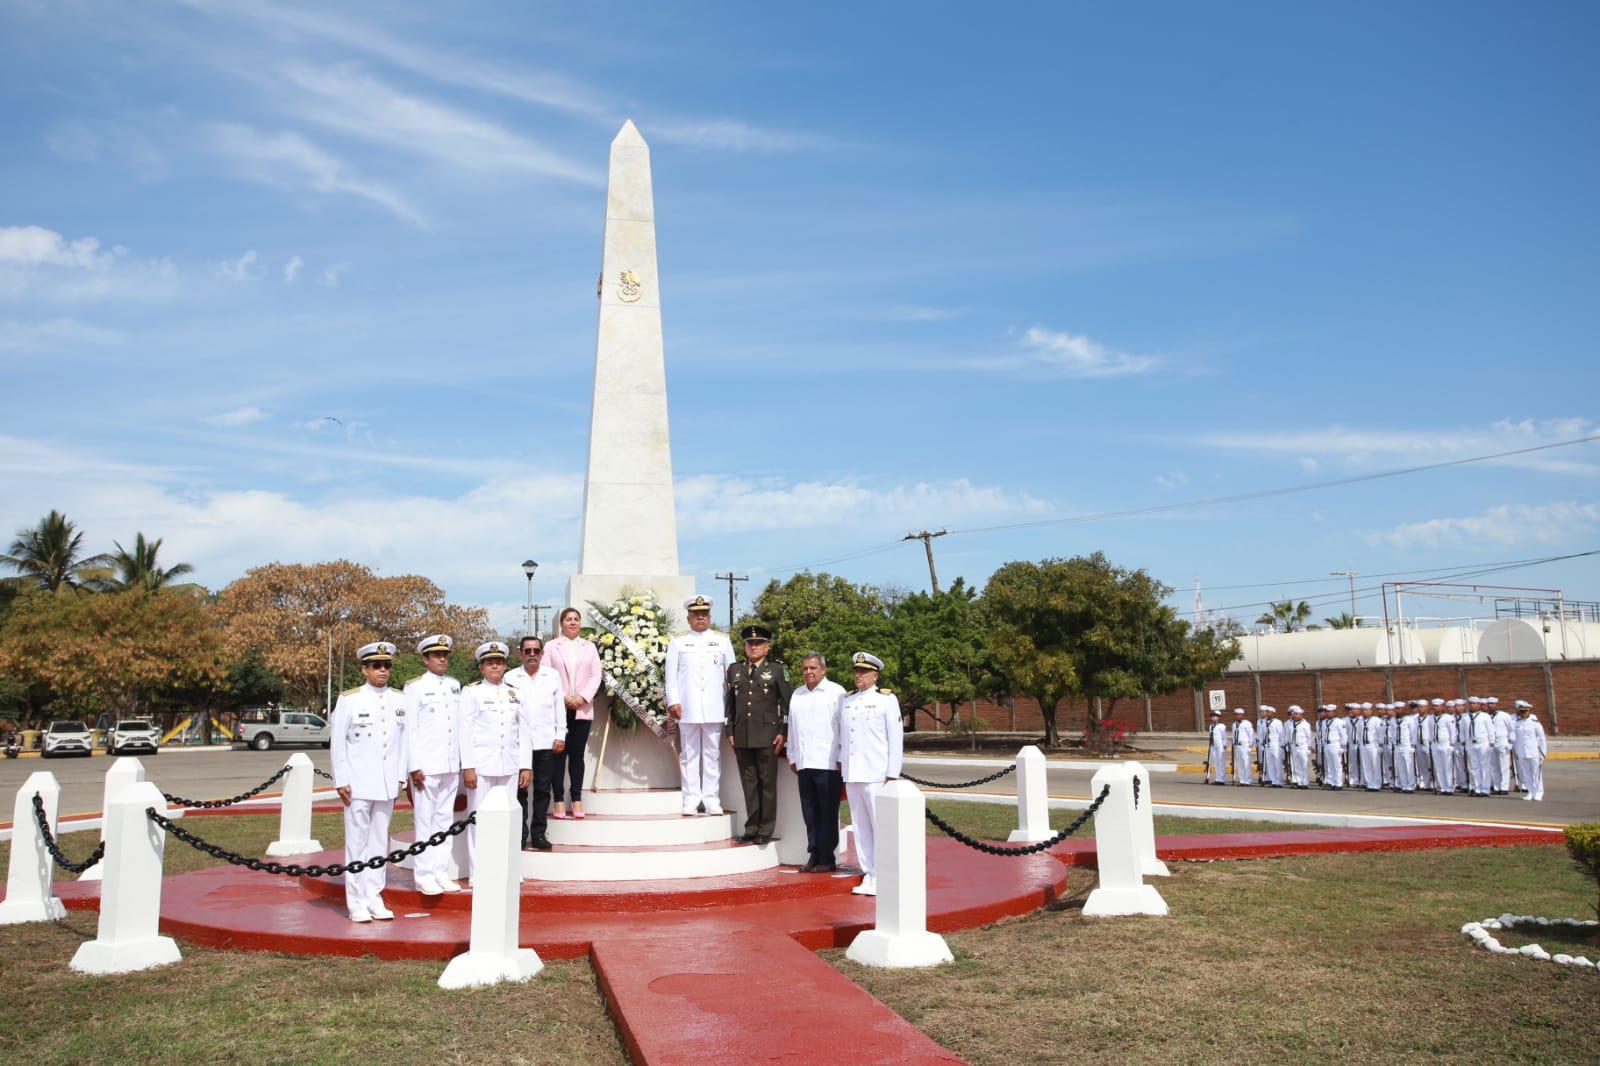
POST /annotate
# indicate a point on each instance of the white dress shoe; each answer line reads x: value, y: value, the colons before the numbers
x: 360, y: 914
x: 428, y: 886
x: 380, y: 912
x: 867, y: 887
x: 447, y: 885
x: 714, y: 814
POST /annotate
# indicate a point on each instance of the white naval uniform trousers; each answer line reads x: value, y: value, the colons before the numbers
x: 1505, y: 728
x: 433, y: 711
x: 495, y: 742
x: 1272, y: 751
x: 1463, y: 777
x: 1333, y: 752
x: 1219, y: 753
x: 367, y: 749
x: 1386, y: 754
x: 696, y: 679
x: 1425, y: 723
x: 1531, y: 749
x: 1299, y: 752
x: 1479, y: 761
x: 1371, y: 747
x: 1405, y: 752
x: 871, y: 738
x: 1444, y: 753
x: 1244, y: 738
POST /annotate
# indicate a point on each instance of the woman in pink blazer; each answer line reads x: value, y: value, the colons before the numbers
x: 577, y: 663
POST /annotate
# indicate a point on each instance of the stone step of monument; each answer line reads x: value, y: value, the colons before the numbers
x: 719, y: 858
x: 640, y: 830
x: 633, y: 801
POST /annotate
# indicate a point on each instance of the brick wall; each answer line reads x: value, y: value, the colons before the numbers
x: 1575, y: 686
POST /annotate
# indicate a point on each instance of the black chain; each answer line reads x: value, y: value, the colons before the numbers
x: 1135, y: 791
x: 292, y: 869
x: 179, y: 801
x: 322, y: 774
x: 1030, y: 849
x: 997, y: 775
x: 55, y: 849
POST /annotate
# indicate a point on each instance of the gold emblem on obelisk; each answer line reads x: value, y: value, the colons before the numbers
x: 629, y: 287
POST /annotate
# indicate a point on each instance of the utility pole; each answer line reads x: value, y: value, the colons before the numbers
x: 926, y: 536
x: 1351, y: 574
x: 730, y: 577
x: 538, y: 625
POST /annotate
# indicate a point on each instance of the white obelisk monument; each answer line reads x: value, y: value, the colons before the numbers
x: 629, y: 537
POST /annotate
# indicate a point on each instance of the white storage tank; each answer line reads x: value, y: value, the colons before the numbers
x: 1512, y: 640
x: 1449, y: 644
x: 1326, y: 649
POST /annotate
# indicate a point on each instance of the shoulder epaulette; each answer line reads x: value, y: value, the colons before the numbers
x: 473, y: 684
x: 886, y: 691
x: 351, y: 691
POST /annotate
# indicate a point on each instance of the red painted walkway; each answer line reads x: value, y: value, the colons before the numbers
x: 718, y: 967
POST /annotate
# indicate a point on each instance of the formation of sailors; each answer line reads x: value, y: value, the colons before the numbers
x: 1468, y: 746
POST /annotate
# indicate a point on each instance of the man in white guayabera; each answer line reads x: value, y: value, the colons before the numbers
x: 697, y: 675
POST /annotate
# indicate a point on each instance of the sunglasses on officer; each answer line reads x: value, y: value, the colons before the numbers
x: 526, y: 652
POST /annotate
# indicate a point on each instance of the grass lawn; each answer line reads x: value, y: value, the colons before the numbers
x: 1317, y: 959
x: 226, y: 1006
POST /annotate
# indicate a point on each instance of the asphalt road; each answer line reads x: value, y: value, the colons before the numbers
x: 193, y: 774
x: 1571, y: 789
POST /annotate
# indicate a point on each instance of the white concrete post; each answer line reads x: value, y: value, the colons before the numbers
x: 28, y: 881
x: 130, y: 891
x: 1121, y: 889
x: 1144, y: 826
x: 123, y: 772
x: 294, y: 814
x: 1033, y: 798
x: 901, y: 936
x: 493, y: 955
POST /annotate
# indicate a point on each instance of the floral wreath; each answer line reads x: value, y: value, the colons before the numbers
x: 632, y: 635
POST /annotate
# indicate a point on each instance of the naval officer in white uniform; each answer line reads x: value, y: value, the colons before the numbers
x: 1532, y: 749
x: 696, y: 681
x: 433, y: 726
x: 368, y: 749
x: 871, y: 735
x: 496, y: 737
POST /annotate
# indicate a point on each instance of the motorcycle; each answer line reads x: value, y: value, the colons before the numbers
x: 13, y: 745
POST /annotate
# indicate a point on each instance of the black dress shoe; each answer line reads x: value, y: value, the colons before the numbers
x: 760, y: 839
x: 542, y: 844
x: 823, y: 868
x: 745, y: 838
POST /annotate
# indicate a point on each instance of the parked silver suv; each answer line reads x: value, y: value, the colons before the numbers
x: 134, y: 735
x: 267, y: 729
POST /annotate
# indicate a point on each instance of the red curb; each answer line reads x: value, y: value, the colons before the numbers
x: 746, y: 995
x: 1266, y: 845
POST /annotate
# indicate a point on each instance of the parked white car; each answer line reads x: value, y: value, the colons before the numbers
x: 67, y: 737
x: 133, y: 736
x: 265, y: 730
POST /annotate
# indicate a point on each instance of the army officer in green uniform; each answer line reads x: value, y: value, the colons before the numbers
x: 757, y: 717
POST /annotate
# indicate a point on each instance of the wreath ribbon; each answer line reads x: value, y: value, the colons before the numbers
x: 620, y: 690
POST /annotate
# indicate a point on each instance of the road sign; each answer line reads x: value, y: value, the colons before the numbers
x: 1219, y: 699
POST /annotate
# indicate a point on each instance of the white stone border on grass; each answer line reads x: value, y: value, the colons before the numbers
x: 1482, y: 934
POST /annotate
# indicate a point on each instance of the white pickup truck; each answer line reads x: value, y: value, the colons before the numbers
x: 264, y: 730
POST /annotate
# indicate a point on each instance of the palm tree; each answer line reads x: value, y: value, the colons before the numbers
x: 1286, y: 614
x: 138, y: 569
x: 48, y: 554
x: 1343, y: 620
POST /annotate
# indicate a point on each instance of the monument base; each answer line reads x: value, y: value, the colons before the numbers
x: 293, y: 847
x: 17, y: 911
x: 872, y: 947
x: 1114, y: 902
x: 99, y: 957
x: 478, y: 970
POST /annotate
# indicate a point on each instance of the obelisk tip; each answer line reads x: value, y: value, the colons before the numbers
x: 629, y: 135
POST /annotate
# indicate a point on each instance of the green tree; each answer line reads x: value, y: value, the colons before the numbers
x: 50, y: 555
x: 1343, y: 620
x: 139, y: 568
x: 1028, y: 605
x: 827, y: 614
x: 939, y: 646
x: 1286, y: 615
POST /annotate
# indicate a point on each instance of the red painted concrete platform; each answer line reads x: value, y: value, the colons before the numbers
x: 755, y: 997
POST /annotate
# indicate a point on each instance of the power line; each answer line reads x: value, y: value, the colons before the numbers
x: 1384, y: 573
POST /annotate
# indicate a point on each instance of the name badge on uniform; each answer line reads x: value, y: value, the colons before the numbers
x: 362, y: 716
x: 400, y: 712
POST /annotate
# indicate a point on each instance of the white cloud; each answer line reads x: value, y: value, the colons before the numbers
x: 40, y: 264
x: 1348, y: 448
x: 1053, y: 353
x: 239, y: 416
x: 291, y: 270
x: 1172, y: 479
x: 709, y: 505
x: 54, y: 334
x: 361, y: 106
x: 288, y: 160
x: 243, y: 268
x: 332, y: 273
x: 1564, y: 522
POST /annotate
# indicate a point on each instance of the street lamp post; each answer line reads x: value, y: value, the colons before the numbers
x: 1351, y: 574
x: 528, y: 567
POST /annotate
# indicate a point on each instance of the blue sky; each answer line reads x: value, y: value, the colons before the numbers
x: 921, y: 268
